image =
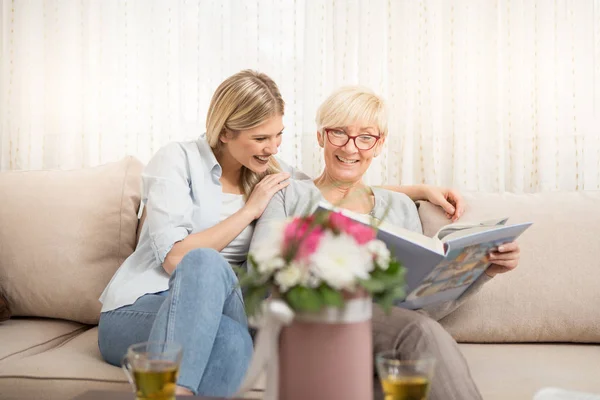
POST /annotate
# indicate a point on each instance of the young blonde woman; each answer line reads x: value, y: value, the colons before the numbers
x: 352, y: 129
x: 201, y: 198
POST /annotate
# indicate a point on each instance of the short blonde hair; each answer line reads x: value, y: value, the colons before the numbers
x: 350, y: 104
x: 243, y: 101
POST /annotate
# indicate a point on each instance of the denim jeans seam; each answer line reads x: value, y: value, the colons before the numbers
x: 238, y: 293
x: 173, y: 309
x: 113, y: 312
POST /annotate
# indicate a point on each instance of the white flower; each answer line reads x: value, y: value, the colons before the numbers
x: 267, y: 254
x: 270, y: 266
x: 380, y: 252
x: 339, y: 261
x: 311, y: 281
x: 288, y: 277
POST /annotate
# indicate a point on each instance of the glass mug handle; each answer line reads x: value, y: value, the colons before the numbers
x: 127, y: 368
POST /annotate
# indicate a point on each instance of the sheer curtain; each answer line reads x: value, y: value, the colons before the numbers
x: 483, y: 95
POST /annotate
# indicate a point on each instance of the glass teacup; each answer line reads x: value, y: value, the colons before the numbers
x: 404, y: 379
x: 152, y: 369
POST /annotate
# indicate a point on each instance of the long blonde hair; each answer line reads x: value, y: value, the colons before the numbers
x: 243, y: 101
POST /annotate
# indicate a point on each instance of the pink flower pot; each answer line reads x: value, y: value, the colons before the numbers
x: 326, y: 361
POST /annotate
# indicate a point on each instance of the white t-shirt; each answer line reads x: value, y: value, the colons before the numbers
x: 236, y: 251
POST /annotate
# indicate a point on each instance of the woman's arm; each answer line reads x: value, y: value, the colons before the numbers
x: 170, y: 209
x: 216, y: 237
x: 449, y: 199
x: 219, y: 236
x: 264, y: 230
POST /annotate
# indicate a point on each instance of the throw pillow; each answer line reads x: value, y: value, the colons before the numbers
x: 63, y: 234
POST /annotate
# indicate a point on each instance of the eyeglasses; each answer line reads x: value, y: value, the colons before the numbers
x: 339, y: 138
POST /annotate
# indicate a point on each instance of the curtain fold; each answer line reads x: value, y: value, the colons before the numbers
x: 491, y: 96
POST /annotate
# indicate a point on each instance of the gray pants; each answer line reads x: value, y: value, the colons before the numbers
x: 416, y: 335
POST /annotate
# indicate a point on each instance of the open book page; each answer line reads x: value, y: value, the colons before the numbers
x: 392, y: 231
x: 461, y: 229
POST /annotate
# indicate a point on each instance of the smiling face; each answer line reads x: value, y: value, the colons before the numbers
x: 347, y: 163
x: 356, y: 111
x: 252, y: 148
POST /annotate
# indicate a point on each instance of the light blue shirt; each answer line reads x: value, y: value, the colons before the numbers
x: 182, y: 195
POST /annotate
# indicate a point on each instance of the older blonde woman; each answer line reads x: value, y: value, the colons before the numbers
x: 352, y: 129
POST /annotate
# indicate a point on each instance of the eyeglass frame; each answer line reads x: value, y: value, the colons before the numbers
x: 327, y: 130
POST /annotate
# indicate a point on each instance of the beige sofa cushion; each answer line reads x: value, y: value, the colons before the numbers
x: 65, y: 372
x: 23, y: 337
x: 61, y: 372
x: 553, y: 295
x: 62, y: 236
x: 517, y: 371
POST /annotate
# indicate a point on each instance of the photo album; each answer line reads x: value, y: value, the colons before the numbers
x: 440, y: 268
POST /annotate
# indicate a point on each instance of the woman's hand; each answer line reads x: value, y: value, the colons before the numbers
x: 449, y: 199
x: 505, y: 259
x: 264, y: 191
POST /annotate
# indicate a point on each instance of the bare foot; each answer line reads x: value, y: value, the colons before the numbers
x: 179, y: 390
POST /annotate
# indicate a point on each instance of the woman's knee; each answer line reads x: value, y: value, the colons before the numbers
x: 405, y: 328
x: 111, y: 347
x: 118, y: 329
x: 424, y: 326
x: 200, y: 263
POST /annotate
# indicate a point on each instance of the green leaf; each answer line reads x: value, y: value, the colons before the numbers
x: 253, y: 298
x: 373, y: 285
x: 392, y: 277
x: 393, y: 281
x: 331, y: 297
x: 304, y: 299
x: 386, y: 301
x: 393, y: 268
x: 247, y: 280
x: 379, y: 275
x: 321, y: 219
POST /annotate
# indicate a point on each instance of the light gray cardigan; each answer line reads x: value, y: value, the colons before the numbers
x: 301, y: 198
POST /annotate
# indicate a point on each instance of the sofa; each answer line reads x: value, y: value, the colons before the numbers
x: 64, y: 233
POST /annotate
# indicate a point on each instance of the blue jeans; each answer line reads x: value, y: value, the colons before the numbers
x: 203, y: 310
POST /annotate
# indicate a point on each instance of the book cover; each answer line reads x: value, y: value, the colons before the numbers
x: 440, y: 270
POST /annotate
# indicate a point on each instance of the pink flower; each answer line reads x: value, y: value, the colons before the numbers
x: 339, y: 222
x: 297, y: 236
x: 310, y: 244
x: 295, y: 229
x: 361, y: 233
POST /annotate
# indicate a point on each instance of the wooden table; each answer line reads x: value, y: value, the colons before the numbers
x: 108, y: 395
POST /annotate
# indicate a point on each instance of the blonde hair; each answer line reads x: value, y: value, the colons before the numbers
x: 243, y: 101
x: 350, y: 104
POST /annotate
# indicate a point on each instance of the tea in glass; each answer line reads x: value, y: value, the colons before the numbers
x: 404, y: 379
x: 405, y: 388
x: 152, y: 369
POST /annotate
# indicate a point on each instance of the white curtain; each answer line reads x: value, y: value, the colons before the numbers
x: 487, y: 95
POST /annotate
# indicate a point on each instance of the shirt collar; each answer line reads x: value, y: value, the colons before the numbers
x: 208, y: 157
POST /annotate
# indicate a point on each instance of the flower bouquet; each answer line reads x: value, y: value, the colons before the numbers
x: 321, y: 273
